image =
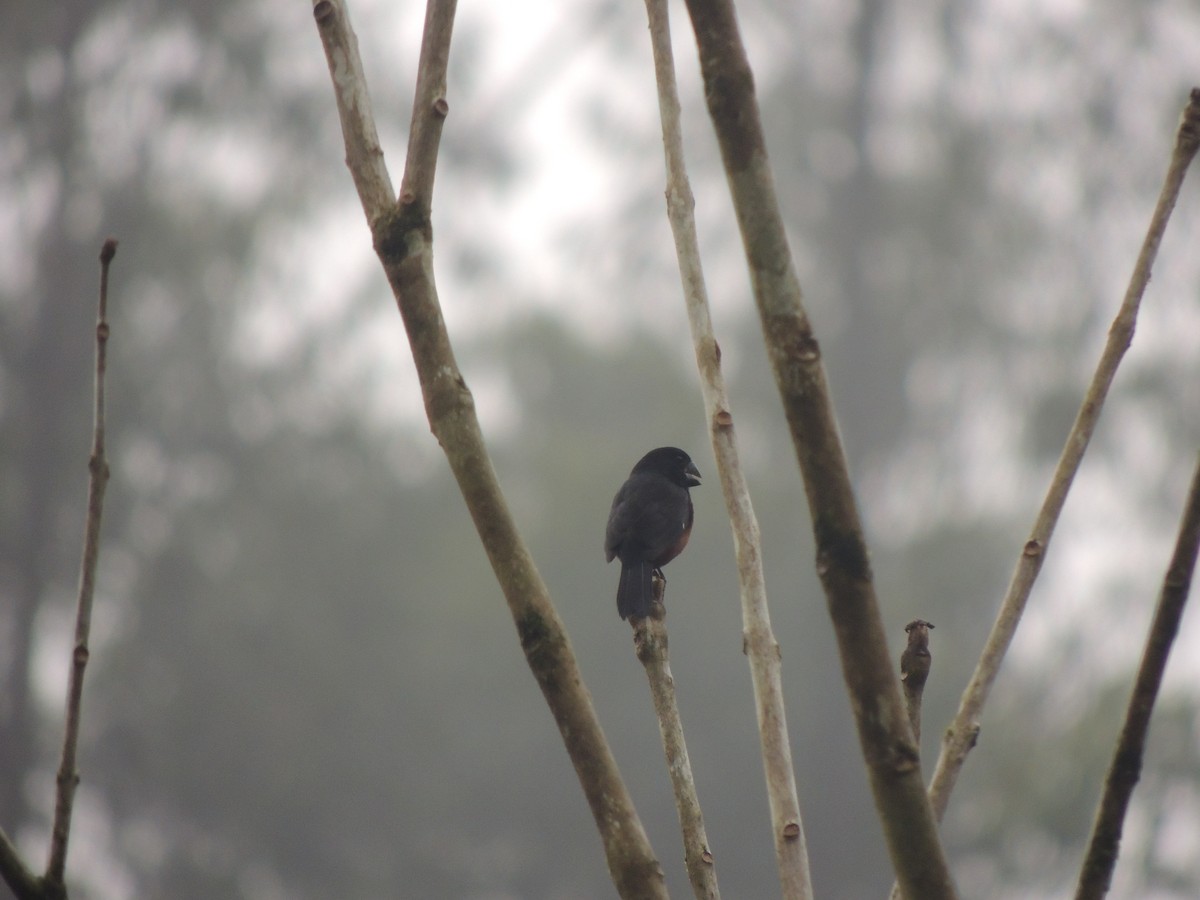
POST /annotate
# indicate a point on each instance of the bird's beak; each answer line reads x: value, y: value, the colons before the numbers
x: 693, y: 474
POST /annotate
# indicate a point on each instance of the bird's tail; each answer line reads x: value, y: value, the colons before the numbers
x: 636, y: 590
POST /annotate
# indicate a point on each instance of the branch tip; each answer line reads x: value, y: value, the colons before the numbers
x: 916, y: 659
x: 1189, y: 126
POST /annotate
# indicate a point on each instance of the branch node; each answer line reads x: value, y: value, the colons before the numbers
x: 905, y: 759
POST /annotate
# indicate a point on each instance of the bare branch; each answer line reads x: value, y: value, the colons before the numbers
x: 842, y: 561
x: 68, y: 777
x: 403, y: 241
x: 762, y: 649
x: 960, y: 736
x: 650, y: 641
x: 1095, y: 877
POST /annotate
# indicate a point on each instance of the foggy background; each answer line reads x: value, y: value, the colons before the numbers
x: 305, y: 682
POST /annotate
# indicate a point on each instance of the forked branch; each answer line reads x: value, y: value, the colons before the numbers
x: 403, y: 241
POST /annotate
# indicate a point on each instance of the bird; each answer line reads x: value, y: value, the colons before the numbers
x: 649, y: 524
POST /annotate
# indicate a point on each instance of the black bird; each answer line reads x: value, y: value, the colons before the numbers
x: 650, y: 523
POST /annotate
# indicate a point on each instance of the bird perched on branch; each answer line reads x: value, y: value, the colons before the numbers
x: 649, y: 525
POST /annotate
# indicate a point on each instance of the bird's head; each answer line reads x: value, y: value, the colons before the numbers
x: 672, y: 463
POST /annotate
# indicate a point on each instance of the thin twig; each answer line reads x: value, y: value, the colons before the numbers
x: 68, y: 777
x: 960, y: 736
x: 842, y: 560
x: 650, y: 641
x: 762, y: 649
x: 1095, y: 876
x: 915, y: 663
x: 403, y: 238
x: 429, y: 107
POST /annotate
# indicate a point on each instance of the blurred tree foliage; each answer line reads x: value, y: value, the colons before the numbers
x: 306, y: 684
